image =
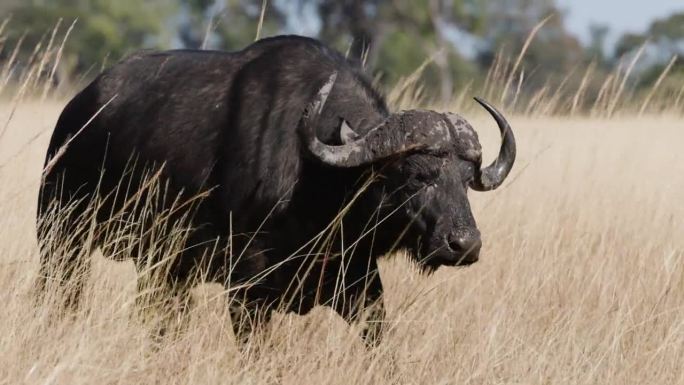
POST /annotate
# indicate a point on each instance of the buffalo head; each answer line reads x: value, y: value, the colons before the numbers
x: 429, y: 161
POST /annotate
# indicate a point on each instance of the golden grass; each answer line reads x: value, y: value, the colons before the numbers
x: 581, y: 281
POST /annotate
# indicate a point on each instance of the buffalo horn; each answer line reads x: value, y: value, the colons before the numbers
x: 493, y: 176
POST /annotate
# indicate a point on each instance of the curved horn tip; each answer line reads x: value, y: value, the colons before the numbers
x: 484, y: 103
x: 493, y: 176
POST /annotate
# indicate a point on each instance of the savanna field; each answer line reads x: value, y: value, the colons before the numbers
x: 580, y: 281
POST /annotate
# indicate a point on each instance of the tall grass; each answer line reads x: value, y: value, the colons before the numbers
x: 581, y: 277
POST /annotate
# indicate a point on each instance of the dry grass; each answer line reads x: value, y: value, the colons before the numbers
x: 581, y: 281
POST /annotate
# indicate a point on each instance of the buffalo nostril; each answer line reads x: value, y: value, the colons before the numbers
x: 468, y: 247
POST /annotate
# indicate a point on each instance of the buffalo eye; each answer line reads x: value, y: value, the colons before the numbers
x: 428, y: 176
x: 467, y: 170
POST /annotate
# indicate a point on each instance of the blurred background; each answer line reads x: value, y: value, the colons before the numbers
x: 580, y: 56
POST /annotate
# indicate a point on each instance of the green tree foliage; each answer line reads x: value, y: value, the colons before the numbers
x: 397, y: 37
x: 509, y: 23
x: 597, y: 46
x: 667, y: 33
x: 104, y: 28
x: 462, y: 38
x: 401, y: 34
x: 665, y: 37
x: 227, y: 24
x: 670, y: 28
x: 394, y: 37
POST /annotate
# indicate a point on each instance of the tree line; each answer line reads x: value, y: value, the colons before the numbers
x: 461, y: 40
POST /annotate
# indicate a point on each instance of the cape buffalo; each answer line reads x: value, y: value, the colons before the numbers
x: 305, y: 175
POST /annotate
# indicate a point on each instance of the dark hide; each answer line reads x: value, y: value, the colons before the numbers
x: 225, y: 124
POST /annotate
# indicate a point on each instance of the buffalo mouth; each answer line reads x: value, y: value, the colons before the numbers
x: 431, y: 261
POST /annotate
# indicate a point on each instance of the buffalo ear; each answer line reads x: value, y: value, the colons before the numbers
x: 347, y: 134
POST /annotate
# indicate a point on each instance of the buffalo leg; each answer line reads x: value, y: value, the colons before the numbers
x: 249, y: 320
x: 364, y: 304
x: 373, y: 321
x: 65, y: 270
x: 162, y: 300
x: 66, y: 237
x: 248, y: 300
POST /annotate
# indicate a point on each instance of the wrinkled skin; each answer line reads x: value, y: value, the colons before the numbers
x: 443, y: 228
x: 428, y: 190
